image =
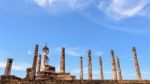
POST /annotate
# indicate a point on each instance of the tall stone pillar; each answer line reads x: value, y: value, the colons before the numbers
x: 8, y: 67
x: 119, y: 69
x: 62, y: 63
x: 113, y: 65
x: 89, y: 65
x: 81, y: 69
x: 138, y: 73
x: 39, y: 64
x: 34, y: 62
x: 101, y: 68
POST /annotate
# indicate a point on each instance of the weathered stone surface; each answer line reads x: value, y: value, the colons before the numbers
x: 74, y: 82
x: 81, y: 69
x: 89, y: 65
x: 38, y: 64
x: 34, y: 62
x: 138, y: 73
x: 101, y: 68
x: 45, y: 59
x: 114, y: 72
x: 119, y: 69
x: 62, y: 63
x: 8, y: 67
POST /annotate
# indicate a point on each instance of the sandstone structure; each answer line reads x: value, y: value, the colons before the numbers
x: 8, y: 67
x: 81, y: 69
x: 119, y: 69
x: 48, y: 72
x: 101, y: 68
x: 34, y: 62
x: 114, y: 71
x: 138, y: 73
x: 62, y: 63
x: 43, y: 73
x: 89, y: 65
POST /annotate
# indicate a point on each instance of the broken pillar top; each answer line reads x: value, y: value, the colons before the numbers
x: 112, y: 51
x: 10, y: 60
x: 133, y: 49
x: 81, y: 57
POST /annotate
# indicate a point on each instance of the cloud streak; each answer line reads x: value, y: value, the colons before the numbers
x: 119, y: 9
x: 115, y: 9
x: 62, y: 6
x: 109, y: 13
x: 16, y: 67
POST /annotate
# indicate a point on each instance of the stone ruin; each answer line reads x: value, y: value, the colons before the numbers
x: 41, y: 70
x: 42, y: 73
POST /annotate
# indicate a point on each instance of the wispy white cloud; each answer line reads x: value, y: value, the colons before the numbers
x: 29, y: 52
x: 103, y: 12
x: 78, y: 51
x: 71, y: 51
x: 119, y: 9
x: 115, y: 9
x: 74, y: 52
x: 61, y: 6
x: 16, y: 66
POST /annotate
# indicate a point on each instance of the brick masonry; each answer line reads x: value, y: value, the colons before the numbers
x: 74, y: 82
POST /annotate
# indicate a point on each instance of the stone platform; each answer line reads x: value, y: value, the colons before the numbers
x: 54, y: 76
x: 74, y: 82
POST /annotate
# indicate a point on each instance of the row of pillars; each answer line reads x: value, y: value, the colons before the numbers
x: 116, y: 69
x: 62, y: 65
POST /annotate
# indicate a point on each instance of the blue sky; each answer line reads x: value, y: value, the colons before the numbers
x: 77, y: 25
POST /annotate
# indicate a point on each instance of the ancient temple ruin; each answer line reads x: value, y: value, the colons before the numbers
x: 41, y: 72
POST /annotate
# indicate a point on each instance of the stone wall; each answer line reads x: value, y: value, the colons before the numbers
x: 74, y: 82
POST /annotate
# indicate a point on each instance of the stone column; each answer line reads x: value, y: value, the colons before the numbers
x: 29, y: 73
x: 101, y: 68
x: 34, y: 62
x: 119, y: 69
x: 138, y: 73
x: 89, y: 65
x: 8, y: 67
x: 113, y: 65
x: 39, y: 64
x: 62, y: 63
x: 81, y: 69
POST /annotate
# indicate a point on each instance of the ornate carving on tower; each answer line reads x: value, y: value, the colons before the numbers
x: 89, y: 65
x: 62, y: 63
x: 113, y: 65
x: 119, y: 69
x: 8, y: 67
x: 81, y: 69
x: 138, y: 73
x: 45, y: 59
x: 101, y: 68
x: 35, y: 62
